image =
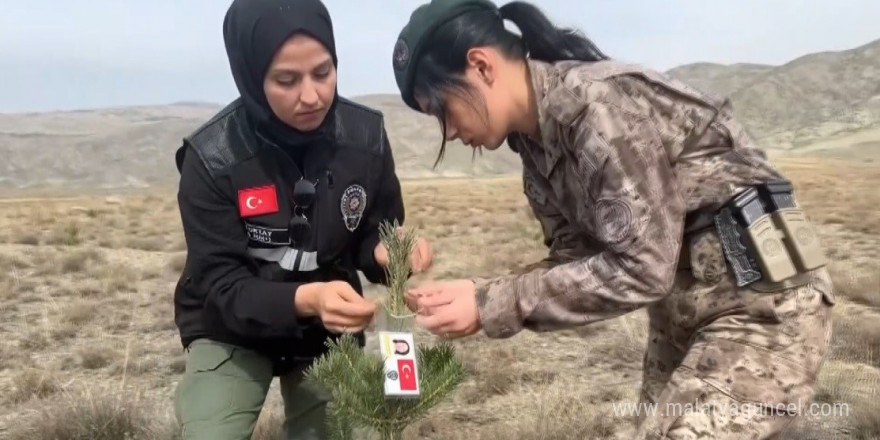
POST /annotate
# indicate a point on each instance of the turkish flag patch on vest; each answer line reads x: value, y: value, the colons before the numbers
x: 257, y: 201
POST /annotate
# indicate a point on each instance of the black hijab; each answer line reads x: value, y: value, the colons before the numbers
x: 253, y: 31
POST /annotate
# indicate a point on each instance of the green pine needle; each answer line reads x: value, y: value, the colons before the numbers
x: 356, y: 380
x: 399, y: 242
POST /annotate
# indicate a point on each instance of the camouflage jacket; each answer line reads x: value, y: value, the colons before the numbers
x: 624, y: 155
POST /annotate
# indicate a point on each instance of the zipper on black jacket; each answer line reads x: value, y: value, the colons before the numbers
x: 314, y: 222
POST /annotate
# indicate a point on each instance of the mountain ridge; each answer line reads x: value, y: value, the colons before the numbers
x: 809, y: 100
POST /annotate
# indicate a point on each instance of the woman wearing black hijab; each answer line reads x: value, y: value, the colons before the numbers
x: 281, y: 196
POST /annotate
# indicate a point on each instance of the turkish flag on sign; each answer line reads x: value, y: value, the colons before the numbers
x: 407, y: 371
x: 258, y: 200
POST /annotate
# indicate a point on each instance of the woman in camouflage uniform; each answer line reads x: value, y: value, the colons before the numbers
x: 626, y: 170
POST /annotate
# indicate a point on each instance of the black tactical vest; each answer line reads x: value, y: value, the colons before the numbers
x: 259, y: 177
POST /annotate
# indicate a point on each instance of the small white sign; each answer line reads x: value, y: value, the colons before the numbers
x: 401, y: 369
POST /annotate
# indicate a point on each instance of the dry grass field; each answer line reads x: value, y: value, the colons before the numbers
x: 88, y: 347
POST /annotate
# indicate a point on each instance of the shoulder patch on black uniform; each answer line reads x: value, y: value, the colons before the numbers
x: 222, y: 141
x: 359, y: 126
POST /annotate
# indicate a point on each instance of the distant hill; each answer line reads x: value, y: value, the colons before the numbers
x: 811, y: 98
x: 416, y: 140
x: 133, y: 147
x: 719, y: 78
x: 110, y: 148
x: 823, y: 103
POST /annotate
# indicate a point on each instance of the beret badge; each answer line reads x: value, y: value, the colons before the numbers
x: 401, y: 54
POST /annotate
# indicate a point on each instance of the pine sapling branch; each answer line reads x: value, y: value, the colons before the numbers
x: 356, y: 380
x: 400, y: 243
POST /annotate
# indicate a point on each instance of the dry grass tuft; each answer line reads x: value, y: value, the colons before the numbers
x: 33, y: 383
x: 100, y: 415
x: 33, y: 340
x: 69, y: 234
x: 7, y: 358
x: 28, y: 239
x: 625, y: 343
x: 84, y: 416
x: 856, y: 335
x: 561, y: 416
x: 145, y: 243
x: 79, y: 313
x: 79, y: 260
x: 830, y: 199
x: 849, y: 393
x: 860, y: 285
x: 93, y: 358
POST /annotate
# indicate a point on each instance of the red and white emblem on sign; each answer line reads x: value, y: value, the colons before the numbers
x: 257, y: 201
x: 407, y: 370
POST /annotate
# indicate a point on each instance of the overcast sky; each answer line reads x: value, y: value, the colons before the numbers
x: 73, y: 54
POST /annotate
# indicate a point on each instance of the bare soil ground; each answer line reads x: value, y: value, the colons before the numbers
x: 88, y: 346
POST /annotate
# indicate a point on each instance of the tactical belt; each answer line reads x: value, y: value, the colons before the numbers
x: 765, y: 237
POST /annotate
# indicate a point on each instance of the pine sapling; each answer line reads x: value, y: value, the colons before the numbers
x: 359, y: 382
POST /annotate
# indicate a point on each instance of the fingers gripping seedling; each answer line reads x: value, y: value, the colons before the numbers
x: 383, y: 393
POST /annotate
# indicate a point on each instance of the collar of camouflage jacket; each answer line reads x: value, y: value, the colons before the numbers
x: 545, y: 78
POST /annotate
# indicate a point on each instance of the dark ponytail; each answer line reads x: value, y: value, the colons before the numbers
x: 440, y: 68
x: 546, y: 42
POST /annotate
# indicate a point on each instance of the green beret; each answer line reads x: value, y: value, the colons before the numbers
x: 423, y: 21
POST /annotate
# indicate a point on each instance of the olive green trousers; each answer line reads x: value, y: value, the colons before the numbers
x: 224, y: 388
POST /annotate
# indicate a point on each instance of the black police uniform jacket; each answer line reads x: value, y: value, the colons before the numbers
x: 235, y: 199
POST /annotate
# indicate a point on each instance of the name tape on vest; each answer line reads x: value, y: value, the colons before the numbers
x: 262, y: 234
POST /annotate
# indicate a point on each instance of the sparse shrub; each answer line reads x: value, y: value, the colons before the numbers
x: 7, y: 357
x: 538, y: 377
x: 85, y: 416
x: 92, y: 358
x: 856, y: 338
x: 118, y: 278
x: 73, y: 263
x: 64, y: 331
x: 78, y: 313
x: 33, y: 340
x: 145, y: 243
x: 866, y: 421
x: 68, y: 235
x: 626, y: 344
x: 79, y: 260
x: 28, y: 239
x: 861, y: 286
x: 558, y: 417
x: 33, y: 382
x: 856, y: 387
x: 11, y: 267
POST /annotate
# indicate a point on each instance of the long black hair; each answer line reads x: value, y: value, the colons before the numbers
x: 440, y: 69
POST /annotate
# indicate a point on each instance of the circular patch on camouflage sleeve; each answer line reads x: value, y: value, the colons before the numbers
x: 613, y: 220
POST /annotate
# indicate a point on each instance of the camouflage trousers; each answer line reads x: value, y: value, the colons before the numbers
x: 725, y: 362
